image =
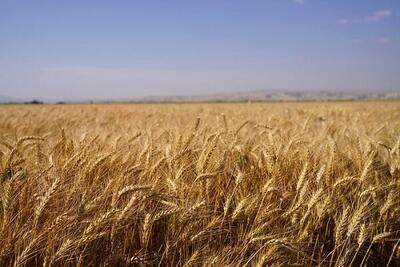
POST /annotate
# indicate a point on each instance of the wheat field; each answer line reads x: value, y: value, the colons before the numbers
x: 246, y: 184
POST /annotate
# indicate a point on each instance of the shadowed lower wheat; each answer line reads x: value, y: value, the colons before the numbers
x: 200, y: 185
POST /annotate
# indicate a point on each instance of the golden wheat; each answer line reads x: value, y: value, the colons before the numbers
x: 255, y: 184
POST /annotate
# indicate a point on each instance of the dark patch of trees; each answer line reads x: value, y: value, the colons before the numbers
x: 34, y: 102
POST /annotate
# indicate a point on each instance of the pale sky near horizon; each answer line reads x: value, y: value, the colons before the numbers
x: 70, y: 50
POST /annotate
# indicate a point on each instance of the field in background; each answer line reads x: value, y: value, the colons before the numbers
x: 200, y: 184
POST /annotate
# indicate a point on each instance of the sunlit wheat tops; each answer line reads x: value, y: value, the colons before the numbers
x: 268, y: 184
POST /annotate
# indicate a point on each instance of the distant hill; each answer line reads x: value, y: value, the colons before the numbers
x: 279, y: 95
x: 260, y: 95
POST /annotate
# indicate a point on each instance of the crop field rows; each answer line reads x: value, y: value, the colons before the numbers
x: 249, y: 184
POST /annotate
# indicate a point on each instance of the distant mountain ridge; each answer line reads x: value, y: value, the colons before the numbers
x: 280, y: 95
x: 259, y: 95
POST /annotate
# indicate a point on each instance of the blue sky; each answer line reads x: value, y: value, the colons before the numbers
x: 123, y: 49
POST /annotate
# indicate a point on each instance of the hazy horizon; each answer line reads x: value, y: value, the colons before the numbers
x: 69, y: 50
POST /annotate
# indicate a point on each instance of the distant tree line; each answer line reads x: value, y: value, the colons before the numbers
x: 34, y: 102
